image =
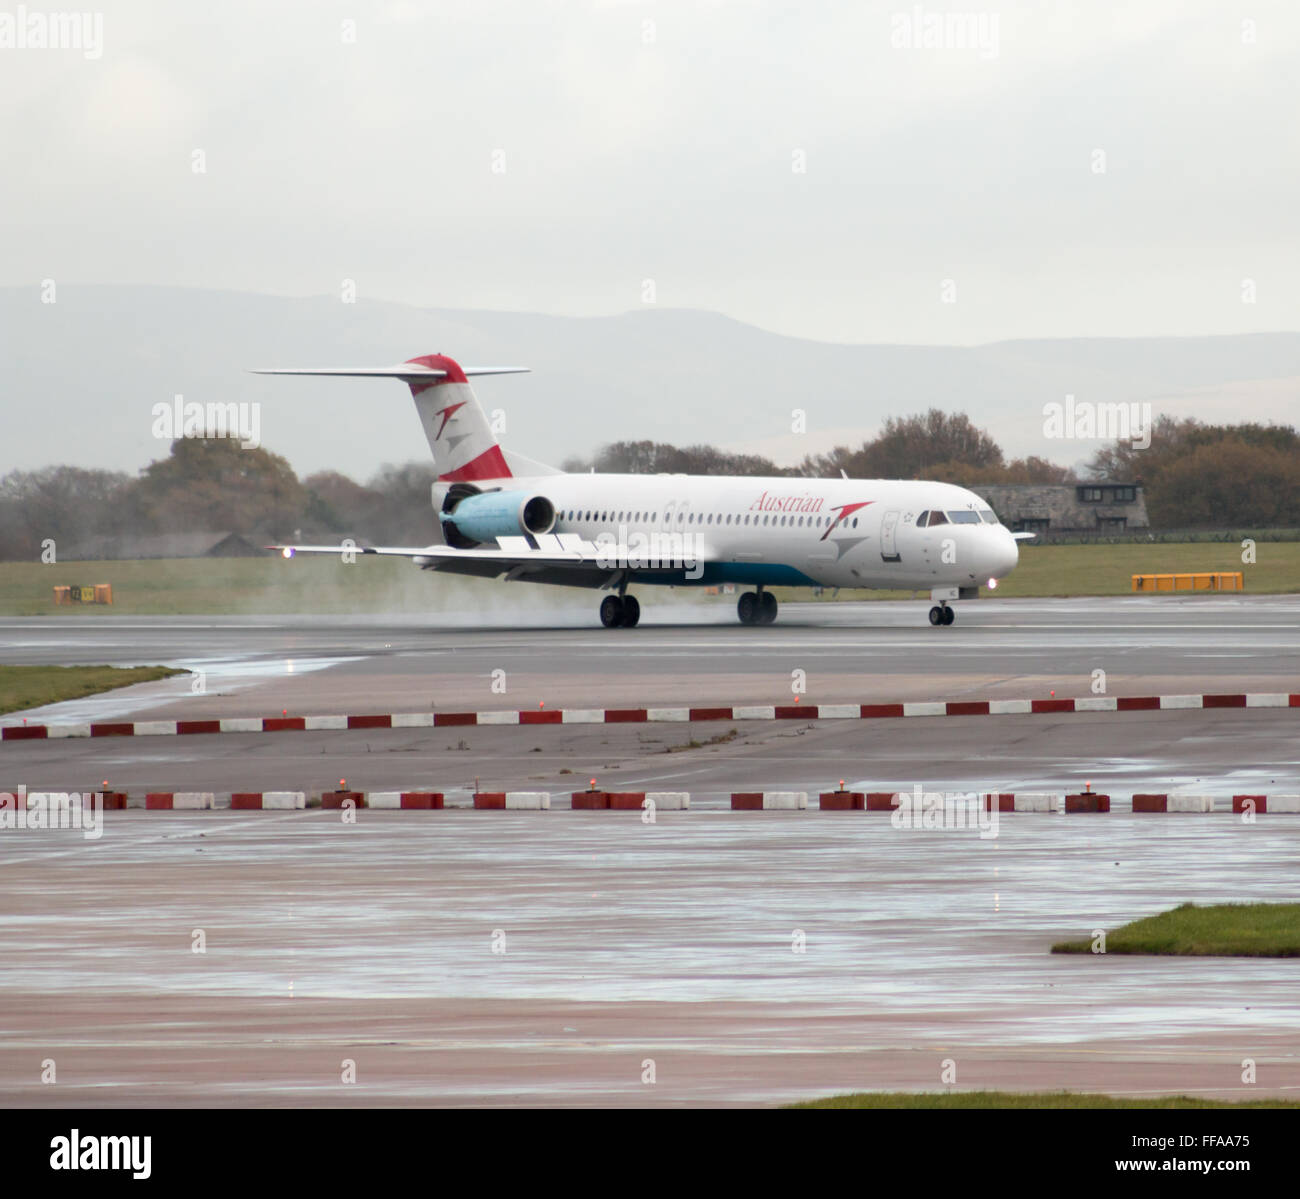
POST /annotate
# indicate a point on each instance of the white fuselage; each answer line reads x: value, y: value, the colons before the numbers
x: 792, y: 531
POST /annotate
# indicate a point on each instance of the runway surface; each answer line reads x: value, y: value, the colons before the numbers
x: 491, y: 958
x: 627, y: 942
x: 1161, y: 645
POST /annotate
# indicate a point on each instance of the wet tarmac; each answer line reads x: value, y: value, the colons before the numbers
x: 785, y: 947
x: 846, y: 652
x: 625, y: 942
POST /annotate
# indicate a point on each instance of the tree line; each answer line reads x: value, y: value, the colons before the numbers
x: 1194, y: 475
x: 211, y: 485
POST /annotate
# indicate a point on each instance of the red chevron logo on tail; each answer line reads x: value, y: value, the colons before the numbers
x: 446, y: 414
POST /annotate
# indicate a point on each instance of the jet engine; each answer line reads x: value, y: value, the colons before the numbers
x: 469, y: 520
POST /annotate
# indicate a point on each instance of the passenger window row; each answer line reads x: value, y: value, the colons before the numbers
x: 692, y: 518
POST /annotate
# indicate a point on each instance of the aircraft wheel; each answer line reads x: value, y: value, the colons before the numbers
x: 936, y: 615
x: 747, y: 607
x: 766, y: 608
x: 949, y: 615
x: 611, y: 612
x: 631, y: 611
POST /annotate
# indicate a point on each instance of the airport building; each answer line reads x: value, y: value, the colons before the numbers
x: 1069, y: 508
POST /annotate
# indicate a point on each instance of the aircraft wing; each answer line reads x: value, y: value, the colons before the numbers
x: 543, y: 557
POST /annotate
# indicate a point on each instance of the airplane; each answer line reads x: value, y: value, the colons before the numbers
x: 501, y: 515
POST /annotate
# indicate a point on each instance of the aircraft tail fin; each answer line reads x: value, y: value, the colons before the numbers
x: 460, y: 436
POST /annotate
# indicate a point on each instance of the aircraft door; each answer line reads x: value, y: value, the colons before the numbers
x: 888, y: 548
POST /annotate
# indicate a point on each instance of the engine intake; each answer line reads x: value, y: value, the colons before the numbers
x: 473, y: 519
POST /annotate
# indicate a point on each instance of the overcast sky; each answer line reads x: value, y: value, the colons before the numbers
x: 804, y: 167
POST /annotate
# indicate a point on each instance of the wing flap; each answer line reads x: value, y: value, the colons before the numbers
x: 567, y: 550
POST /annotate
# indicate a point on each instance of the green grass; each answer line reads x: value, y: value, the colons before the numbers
x: 23, y: 687
x: 270, y: 585
x: 1067, y: 570
x: 1219, y: 930
x: 1032, y: 1099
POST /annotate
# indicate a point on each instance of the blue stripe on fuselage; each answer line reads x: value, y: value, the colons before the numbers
x: 769, y: 574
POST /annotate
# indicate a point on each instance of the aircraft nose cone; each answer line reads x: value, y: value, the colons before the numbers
x: 1006, y: 554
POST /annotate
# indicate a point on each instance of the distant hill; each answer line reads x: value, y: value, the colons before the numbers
x: 80, y: 378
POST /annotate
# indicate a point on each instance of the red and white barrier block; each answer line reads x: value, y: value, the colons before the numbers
x: 1266, y: 803
x: 268, y: 801
x: 1024, y: 801
x: 513, y: 801
x: 179, y: 801
x: 406, y: 801
x: 331, y: 800
x: 1046, y: 801
x: 1172, y: 802
x: 769, y: 801
x: 630, y: 801
x: 858, y: 801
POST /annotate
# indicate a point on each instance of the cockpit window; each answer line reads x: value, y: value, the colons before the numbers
x: 920, y: 520
x: 937, y: 518
x: 964, y: 518
x: 988, y: 516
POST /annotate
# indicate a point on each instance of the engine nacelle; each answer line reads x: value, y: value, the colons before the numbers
x: 491, y: 514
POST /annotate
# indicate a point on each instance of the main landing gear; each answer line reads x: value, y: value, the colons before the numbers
x: 942, y: 614
x: 620, y: 611
x: 756, y: 607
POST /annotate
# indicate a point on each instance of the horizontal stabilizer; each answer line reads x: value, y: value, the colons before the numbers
x: 408, y: 372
